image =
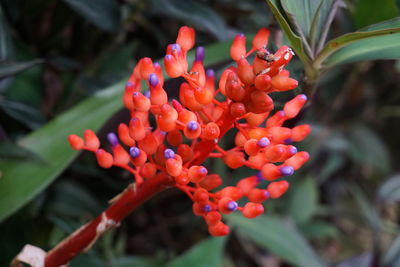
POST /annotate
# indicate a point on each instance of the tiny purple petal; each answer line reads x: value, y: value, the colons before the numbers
x: 168, y: 57
x: 287, y: 141
x: 303, y: 96
x: 203, y: 170
x: 128, y: 84
x: 176, y: 47
x: 112, y: 139
x: 207, y: 208
x: 153, y: 80
x: 199, y: 54
x: 286, y: 170
x: 232, y: 205
x: 259, y: 176
x: 147, y: 93
x: 210, y: 73
x: 282, y: 113
x: 293, y: 150
x: 156, y: 64
x: 134, y: 151
x: 263, y: 142
x: 169, y: 153
x: 192, y: 125
x: 267, y: 194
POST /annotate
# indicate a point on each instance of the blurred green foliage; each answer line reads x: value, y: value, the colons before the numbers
x: 57, y: 59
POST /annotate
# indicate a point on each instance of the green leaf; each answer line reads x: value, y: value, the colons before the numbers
x: 365, y: 11
x: 9, y: 69
x: 303, y: 201
x: 105, y: 14
x: 390, y: 189
x: 295, y: 41
x: 281, y: 239
x: 319, y: 229
x: 392, y: 257
x: 367, y: 148
x: 194, y: 12
x: 6, y: 46
x: 130, y: 261
x: 379, y: 41
x: 366, y: 208
x: 8, y: 149
x: 208, y: 253
x: 25, y: 114
x: 22, y: 179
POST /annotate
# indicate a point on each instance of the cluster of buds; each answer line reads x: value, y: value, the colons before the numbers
x: 180, y: 135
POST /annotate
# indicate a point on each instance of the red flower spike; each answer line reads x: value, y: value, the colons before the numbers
x: 247, y: 184
x: 211, y: 182
x: 258, y: 195
x: 187, y: 132
x: 123, y: 134
x: 234, y: 159
x: 252, y: 210
x: 136, y: 129
x: 121, y: 157
x: 75, y: 142
x: 293, y: 107
x: 300, y: 132
x: 186, y: 38
x: 201, y: 196
x: 263, y: 82
x: 91, y: 139
x: 238, y: 47
x: 148, y: 170
x: 213, y: 218
x: 141, y: 102
x: 197, y: 173
x: 298, y: 160
x: 261, y: 39
x: 232, y: 192
x: 245, y: 71
x: 104, y: 159
x: 277, y: 189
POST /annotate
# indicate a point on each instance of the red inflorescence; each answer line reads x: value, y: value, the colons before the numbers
x: 186, y: 132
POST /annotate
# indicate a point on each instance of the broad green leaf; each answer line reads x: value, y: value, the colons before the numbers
x: 193, y: 12
x: 319, y: 229
x: 303, y: 201
x: 279, y: 238
x: 379, y: 41
x: 105, y: 14
x: 11, y: 150
x: 392, y: 256
x: 367, y: 148
x: 390, y: 189
x: 208, y: 253
x: 6, y: 46
x: 25, y: 114
x: 22, y: 179
x: 294, y: 39
x: 320, y: 23
x: 366, y: 208
x: 365, y: 11
x: 9, y: 69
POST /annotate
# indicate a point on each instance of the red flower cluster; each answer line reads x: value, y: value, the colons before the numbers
x: 184, y: 133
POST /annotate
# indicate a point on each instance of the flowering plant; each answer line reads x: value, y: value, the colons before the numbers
x: 166, y: 141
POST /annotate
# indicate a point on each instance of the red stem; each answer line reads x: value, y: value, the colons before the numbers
x: 126, y: 202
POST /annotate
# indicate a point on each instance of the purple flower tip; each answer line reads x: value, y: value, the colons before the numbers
x: 153, y: 80
x: 267, y: 194
x: 169, y: 153
x: 207, y: 208
x: 199, y: 54
x: 286, y: 170
x: 303, y: 96
x: 293, y: 150
x: 263, y: 142
x: 192, y: 125
x: 259, y: 177
x: 112, y: 139
x: 168, y: 57
x: 176, y: 47
x: 156, y: 64
x: 210, y: 73
x: 147, y: 93
x: 134, y: 151
x: 287, y: 141
x: 129, y: 84
x: 232, y: 205
x: 282, y: 113
x: 241, y: 35
x: 203, y: 170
